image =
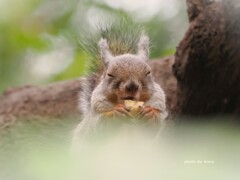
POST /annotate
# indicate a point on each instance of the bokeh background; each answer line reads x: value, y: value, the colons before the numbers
x: 39, y: 38
x: 39, y: 45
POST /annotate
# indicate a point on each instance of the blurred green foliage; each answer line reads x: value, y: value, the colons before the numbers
x: 34, y: 151
x: 39, y: 44
x: 39, y: 38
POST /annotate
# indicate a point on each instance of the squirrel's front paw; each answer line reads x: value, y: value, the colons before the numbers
x: 118, y: 112
x: 150, y: 113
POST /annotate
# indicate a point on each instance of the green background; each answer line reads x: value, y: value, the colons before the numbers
x: 39, y: 39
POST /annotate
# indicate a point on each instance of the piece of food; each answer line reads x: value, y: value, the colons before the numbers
x: 134, y: 107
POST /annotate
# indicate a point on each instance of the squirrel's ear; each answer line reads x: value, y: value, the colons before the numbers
x: 104, y: 51
x: 143, y: 47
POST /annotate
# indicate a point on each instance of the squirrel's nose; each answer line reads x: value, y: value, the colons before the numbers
x: 132, y: 87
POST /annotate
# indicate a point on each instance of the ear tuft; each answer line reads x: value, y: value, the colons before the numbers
x: 143, y: 47
x: 104, y: 51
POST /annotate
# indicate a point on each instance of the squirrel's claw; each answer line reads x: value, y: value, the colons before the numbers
x: 122, y: 110
x: 118, y: 112
x: 150, y: 113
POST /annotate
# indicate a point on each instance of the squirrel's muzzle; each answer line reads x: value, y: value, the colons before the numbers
x: 130, y: 91
x: 132, y: 87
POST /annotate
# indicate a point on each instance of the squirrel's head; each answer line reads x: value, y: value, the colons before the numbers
x: 127, y: 76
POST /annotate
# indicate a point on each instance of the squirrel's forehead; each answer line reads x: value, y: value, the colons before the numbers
x: 127, y: 58
x: 129, y: 65
x: 131, y: 61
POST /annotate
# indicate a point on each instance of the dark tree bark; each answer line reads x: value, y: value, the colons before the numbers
x: 207, y: 64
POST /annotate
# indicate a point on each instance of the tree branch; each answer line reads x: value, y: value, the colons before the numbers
x: 59, y: 100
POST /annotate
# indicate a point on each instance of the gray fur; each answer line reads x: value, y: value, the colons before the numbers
x: 143, y: 47
x: 104, y: 51
x: 85, y: 94
x: 94, y: 100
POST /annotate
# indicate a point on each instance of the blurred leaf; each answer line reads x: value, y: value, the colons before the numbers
x: 76, y: 69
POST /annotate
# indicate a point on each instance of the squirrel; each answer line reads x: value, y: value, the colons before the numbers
x: 125, y: 76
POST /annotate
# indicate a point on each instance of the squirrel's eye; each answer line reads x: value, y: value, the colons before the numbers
x: 110, y: 75
x: 148, y: 73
